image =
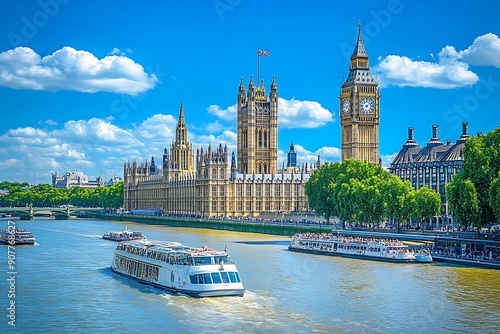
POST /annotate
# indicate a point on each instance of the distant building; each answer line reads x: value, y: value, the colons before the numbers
x: 75, y: 179
x: 432, y: 165
x: 292, y: 157
x: 114, y: 180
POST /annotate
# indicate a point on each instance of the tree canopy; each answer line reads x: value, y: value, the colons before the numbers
x: 21, y: 194
x: 358, y: 191
x: 480, y: 169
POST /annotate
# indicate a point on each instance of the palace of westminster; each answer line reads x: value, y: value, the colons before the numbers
x: 216, y: 183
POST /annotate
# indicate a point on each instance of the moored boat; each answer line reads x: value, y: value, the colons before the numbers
x: 126, y: 235
x: 14, y: 236
x: 467, y: 252
x: 199, y: 272
x: 369, y: 248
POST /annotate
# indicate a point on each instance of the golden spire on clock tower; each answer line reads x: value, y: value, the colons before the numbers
x: 359, y: 105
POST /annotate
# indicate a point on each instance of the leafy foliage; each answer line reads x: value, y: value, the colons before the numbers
x: 358, y: 191
x: 481, y: 167
x: 495, y: 196
x: 462, y: 197
x: 44, y: 195
x: 427, y: 204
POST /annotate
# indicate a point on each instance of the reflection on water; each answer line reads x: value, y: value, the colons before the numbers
x: 65, y: 285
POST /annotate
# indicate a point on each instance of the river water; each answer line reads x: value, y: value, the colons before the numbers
x: 64, y: 285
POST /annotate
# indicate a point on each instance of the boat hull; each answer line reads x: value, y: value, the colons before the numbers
x: 121, y: 239
x: 466, y: 262
x: 18, y: 242
x: 192, y: 293
x: 352, y: 256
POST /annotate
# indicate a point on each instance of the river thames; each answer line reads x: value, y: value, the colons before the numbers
x: 64, y: 285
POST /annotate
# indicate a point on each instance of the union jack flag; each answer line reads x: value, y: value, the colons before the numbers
x: 264, y: 53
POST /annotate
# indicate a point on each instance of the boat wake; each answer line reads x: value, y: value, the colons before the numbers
x: 253, y: 310
x: 270, y: 242
x: 98, y: 236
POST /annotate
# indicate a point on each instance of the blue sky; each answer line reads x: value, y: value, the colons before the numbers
x: 92, y: 86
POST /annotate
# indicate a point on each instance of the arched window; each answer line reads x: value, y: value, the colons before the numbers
x: 214, y: 173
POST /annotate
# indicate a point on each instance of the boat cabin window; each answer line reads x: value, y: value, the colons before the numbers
x: 182, y: 259
x: 216, y: 278
x: 198, y: 260
x: 232, y: 277
x: 219, y: 259
x: 204, y: 278
x: 225, y: 277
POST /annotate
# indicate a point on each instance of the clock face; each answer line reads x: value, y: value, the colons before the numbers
x: 367, y: 105
x: 346, y: 107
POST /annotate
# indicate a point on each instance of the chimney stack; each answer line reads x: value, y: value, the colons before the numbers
x: 435, y: 131
x: 411, y: 134
x: 465, y: 129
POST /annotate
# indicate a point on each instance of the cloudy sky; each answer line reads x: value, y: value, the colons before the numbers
x: 89, y: 87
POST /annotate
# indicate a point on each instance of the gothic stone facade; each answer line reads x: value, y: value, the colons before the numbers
x: 218, y: 186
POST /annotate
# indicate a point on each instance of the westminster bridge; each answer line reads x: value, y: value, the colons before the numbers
x: 63, y: 212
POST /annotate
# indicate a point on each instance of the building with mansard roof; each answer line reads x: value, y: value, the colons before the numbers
x: 211, y: 181
x: 432, y: 165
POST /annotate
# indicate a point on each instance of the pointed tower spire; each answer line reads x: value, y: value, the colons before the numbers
x: 251, y: 85
x: 273, y: 84
x: 181, y: 115
x: 359, y: 50
x: 242, y: 86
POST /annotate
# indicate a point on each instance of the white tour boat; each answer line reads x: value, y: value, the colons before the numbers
x: 14, y: 236
x: 389, y: 250
x: 199, y: 272
x: 126, y: 235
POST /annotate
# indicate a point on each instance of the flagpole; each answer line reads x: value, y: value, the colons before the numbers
x: 258, y: 65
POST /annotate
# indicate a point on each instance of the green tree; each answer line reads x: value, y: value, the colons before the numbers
x: 399, y: 200
x: 495, y: 197
x: 462, y: 199
x: 352, y: 190
x: 427, y: 205
x: 476, y: 168
x: 116, y: 192
x: 319, y: 190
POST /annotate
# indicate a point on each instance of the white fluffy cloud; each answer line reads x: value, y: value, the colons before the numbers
x: 302, y: 114
x: 445, y: 74
x: 451, y: 70
x: 484, y: 51
x: 292, y: 113
x: 228, y: 114
x: 70, y: 69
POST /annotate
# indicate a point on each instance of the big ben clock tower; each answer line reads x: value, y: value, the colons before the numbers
x: 359, y: 105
